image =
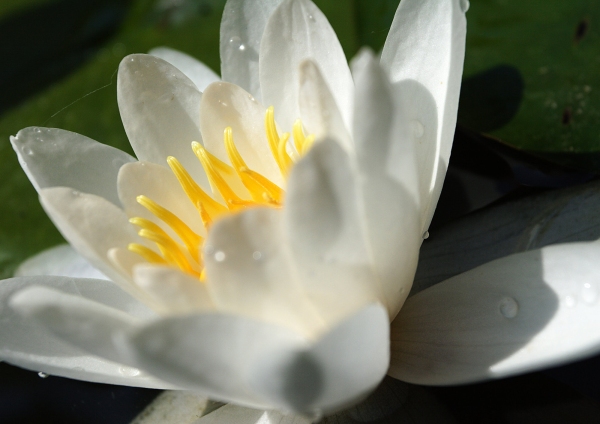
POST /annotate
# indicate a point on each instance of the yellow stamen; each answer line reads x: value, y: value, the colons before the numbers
x: 189, y: 238
x: 193, y: 190
x: 147, y: 253
x: 284, y: 158
x: 273, y: 138
x: 171, y: 249
x: 231, y: 199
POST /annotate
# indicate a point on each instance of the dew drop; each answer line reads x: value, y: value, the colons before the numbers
x: 242, y: 47
x: 222, y: 103
x: 311, y: 18
x: 589, y: 294
x: 417, y: 128
x: 37, y: 130
x: 235, y: 42
x: 28, y: 151
x: 43, y: 375
x: 209, y: 249
x: 509, y: 307
x: 219, y: 256
x: 425, y: 235
x: 570, y: 301
x: 464, y: 5
x: 257, y: 256
x: 129, y: 371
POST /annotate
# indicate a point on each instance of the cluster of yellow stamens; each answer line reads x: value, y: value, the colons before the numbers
x: 186, y: 253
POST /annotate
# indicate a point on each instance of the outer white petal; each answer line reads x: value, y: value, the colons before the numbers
x: 389, y: 188
x: 318, y: 109
x: 219, y: 357
x: 324, y: 225
x: 298, y: 30
x: 159, y: 184
x: 93, y: 226
x: 196, y: 71
x: 242, y: 28
x: 26, y: 343
x: 338, y: 370
x: 61, y: 260
x: 51, y: 157
x: 233, y: 414
x: 516, y: 314
x: 424, y: 54
x: 250, y: 272
x: 227, y: 105
x: 86, y: 324
x: 175, y: 290
x: 160, y: 109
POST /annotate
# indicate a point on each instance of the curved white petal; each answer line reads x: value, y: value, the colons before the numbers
x: 242, y: 27
x: 323, y: 224
x: 25, y: 343
x: 250, y: 272
x: 160, y: 109
x: 227, y: 105
x: 424, y: 53
x: 175, y: 290
x: 60, y: 260
x: 338, y: 370
x: 298, y: 30
x: 196, y: 71
x: 52, y: 157
x: 318, y: 109
x: 175, y: 407
x: 86, y: 324
x: 217, y: 360
x: 93, y: 226
x: 233, y: 414
x: 159, y: 184
x: 389, y: 188
x: 513, y: 315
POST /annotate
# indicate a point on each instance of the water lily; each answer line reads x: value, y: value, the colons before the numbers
x: 267, y: 234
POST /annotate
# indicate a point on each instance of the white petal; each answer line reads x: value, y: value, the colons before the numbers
x: 51, y: 157
x: 217, y: 360
x: 424, y: 54
x: 227, y: 105
x: 298, y: 30
x: 323, y: 224
x: 513, y: 315
x: 175, y: 290
x: 338, y: 370
x: 242, y: 28
x: 318, y: 110
x: 159, y: 184
x: 26, y: 343
x: 233, y: 414
x: 93, y: 226
x: 249, y: 271
x: 88, y: 325
x: 196, y: 71
x: 175, y: 407
x: 61, y: 260
x: 160, y: 109
x: 388, y: 184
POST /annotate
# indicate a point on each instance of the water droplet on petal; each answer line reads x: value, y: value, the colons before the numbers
x: 417, y: 128
x: 43, y: 375
x: 37, y: 130
x: 589, y: 293
x: 28, y: 151
x: 129, y: 371
x: 219, y: 256
x: 222, y: 103
x: 425, y: 235
x: 311, y: 18
x: 242, y: 47
x: 257, y: 256
x: 509, y: 307
x: 235, y: 42
x: 570, y: 301
x: 464, y: 5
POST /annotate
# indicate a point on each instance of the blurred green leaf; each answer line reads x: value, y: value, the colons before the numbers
x: 551, y: 48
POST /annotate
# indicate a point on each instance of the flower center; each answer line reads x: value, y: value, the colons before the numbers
x: 185, y: 252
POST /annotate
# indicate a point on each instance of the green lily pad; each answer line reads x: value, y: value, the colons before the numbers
x: 554, y: 47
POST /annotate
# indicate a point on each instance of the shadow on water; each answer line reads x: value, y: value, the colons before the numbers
x: 41, y: 45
